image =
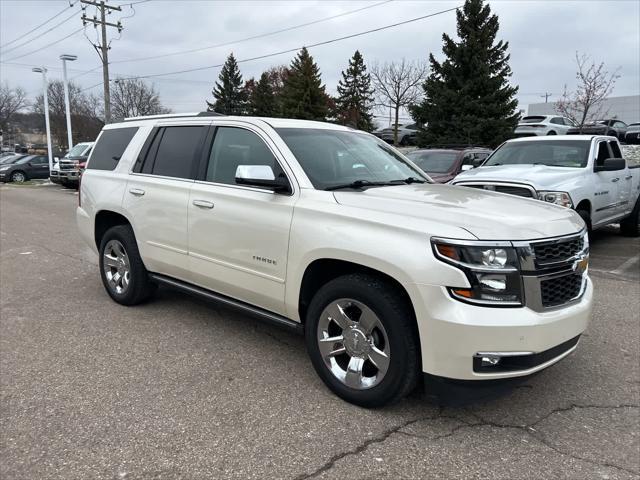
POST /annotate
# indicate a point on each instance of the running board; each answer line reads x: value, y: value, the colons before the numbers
x: 261, y: 313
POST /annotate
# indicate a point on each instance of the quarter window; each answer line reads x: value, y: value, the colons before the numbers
x: 110, y: 147
x: 233, y: 147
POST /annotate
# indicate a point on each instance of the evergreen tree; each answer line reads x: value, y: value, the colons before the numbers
x: 262, y: 102
x: 468, y: 99
x: 303, y: 95
x: 355, y: 96
x: 230, y: 96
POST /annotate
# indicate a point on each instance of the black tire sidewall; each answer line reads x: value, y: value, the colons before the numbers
x: 397, y: 319
x: 138, y: 282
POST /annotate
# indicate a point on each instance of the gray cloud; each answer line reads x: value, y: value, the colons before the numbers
x: 543, y: 38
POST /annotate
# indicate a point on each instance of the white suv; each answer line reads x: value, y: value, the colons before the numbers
x: 331, y: 231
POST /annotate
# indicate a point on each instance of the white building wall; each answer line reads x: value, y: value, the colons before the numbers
x: 626, y: 108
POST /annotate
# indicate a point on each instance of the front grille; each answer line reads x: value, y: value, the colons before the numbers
x: 518, y: 191
x: 67, y: 166
x: 560, y: 290
x: 557, y: 251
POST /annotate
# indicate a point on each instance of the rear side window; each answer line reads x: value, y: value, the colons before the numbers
x: 110, y: 147
x: 177, y: 151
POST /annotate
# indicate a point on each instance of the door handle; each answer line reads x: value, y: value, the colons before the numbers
x: 203, y: 204
x: 136, y: 191
x: 629, y: 177
x: 614, y: 180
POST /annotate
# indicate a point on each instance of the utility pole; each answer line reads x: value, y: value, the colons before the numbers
x: 103, y: 48
x: 546, y: 97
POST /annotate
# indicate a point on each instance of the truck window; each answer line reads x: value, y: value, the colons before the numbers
x: 615, y: 150
x: 110, y: 147
x: 177, y: 151
x: 233, y: 147
x: 603, y: 153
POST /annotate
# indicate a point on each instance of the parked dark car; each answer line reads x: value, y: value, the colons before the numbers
x: 632, y: 136
x: 25, y: 168
x: 14, y: 157
x: 612, y: 127
x: 443, y: 164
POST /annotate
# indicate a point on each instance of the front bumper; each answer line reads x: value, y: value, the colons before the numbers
x: 452, y: 333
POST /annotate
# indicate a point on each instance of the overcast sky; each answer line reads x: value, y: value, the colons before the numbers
x: 543, y: 36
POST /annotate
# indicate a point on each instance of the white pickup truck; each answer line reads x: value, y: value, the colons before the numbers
x: 334, y: 233
x: 583, y: 172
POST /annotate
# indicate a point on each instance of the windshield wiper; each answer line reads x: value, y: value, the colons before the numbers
x: 360, y: 184
x: 410, y: 180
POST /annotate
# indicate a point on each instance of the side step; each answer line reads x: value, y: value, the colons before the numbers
x: 258, y: 312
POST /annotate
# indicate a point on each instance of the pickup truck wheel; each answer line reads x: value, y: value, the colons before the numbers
x: 361, y: 339
x: 630, y: 226
x: 123, y: 274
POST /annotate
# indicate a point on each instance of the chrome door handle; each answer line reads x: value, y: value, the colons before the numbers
x: 629, y: 177
x: 614, y: 180
x: 203, y: 204
x: 136, y: 191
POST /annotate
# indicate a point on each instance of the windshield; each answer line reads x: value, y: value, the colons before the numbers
x: 333, y: 157
x: 10, y: 160
x: 554, y: 153
x: 434, y: 162
x: 76, y: 151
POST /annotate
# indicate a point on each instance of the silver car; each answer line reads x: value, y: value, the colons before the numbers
x: 406, y: 134
x: 536, y: 125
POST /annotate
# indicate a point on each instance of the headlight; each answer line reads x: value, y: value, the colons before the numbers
x: 559, y: 198
x: 5, y: 167
x: 491, y: 268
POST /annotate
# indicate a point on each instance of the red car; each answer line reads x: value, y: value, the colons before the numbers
x: 443, y: 164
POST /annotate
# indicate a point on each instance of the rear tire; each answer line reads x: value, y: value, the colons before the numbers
x: 122, y: 271
x: 552, y: 133
x: 630, y: 226
x: 373, y: 328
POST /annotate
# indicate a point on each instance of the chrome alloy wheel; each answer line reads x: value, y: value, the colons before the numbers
x: 117, y: 269
x: 353, y: 343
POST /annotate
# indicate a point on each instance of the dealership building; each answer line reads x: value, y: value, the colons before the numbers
x: 626, y: 108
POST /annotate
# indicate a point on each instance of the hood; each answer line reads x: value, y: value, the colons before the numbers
x: 440, y: 177
x: 539, y: 176
x: 486, y: 215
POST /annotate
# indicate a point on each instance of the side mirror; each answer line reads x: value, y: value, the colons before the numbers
x: 464, y: 168
x: 261, y: 176
x: 611, y: 165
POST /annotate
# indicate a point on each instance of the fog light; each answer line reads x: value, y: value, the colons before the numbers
x: 493, y: 282
x: 489, y: 361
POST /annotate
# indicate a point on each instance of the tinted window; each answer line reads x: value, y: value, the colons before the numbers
x: 557, y: 121
x: 603, y: 153
x: 233, y: 147
x: 110, y: 147
x: 615, y: 150
x: 532, y: 119
x: 177, y: 151
x: 40, y: 160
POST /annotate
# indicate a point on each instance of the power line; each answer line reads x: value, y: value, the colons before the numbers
x: 41, y: 35
x: 254, y: 37
x: 326, y: 42
x: 42, y: 24
x: 46, y: 46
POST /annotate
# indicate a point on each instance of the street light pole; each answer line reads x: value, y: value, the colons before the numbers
x: 46, y: 112
x: 67, y: 103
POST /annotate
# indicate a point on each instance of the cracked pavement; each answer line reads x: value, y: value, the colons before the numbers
x: 182, y: 388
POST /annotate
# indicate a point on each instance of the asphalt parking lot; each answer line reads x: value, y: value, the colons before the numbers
x: 180, y: 388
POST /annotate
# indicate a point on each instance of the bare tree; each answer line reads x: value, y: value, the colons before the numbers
x: 85, y: 113
x: 132, y: 97
x: 12, y: 100
x: 397, y: 85
x: 595, y: 84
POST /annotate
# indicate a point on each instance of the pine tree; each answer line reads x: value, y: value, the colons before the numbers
x: 230, y: 96
x: 468, y: 98
x: 355, y: 96
x: 303, y: 95
x: 262, y: 102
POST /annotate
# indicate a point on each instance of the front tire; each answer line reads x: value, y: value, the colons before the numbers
x: 123, y: 273
x: 361, y: 336
x: 19, y: 177
x: 586, y: 216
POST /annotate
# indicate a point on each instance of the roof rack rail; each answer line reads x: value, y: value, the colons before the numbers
x: 174, y: 115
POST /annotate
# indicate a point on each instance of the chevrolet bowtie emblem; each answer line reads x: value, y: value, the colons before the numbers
x: 580, y: 265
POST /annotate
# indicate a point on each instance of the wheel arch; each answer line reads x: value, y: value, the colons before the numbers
x: 584, y: 205
x: 104, y: 220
